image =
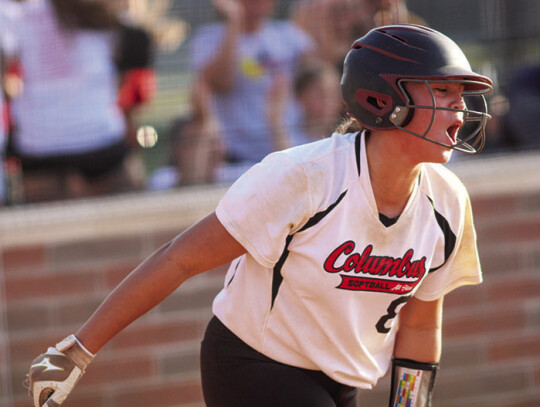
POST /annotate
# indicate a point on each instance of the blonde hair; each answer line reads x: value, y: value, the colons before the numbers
x: 348, y: 125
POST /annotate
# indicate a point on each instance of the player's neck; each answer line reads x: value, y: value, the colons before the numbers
x: 392, y: 176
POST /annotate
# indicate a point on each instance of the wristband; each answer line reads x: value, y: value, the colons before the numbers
x: 75, y: 350
x: 412, y: 383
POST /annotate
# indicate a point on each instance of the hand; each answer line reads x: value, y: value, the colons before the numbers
x: 54, y: 374
x: 232, y: 10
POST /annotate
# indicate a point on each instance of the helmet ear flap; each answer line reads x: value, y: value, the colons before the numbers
x: 377, y: 103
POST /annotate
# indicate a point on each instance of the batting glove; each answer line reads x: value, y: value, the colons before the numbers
x: 54, y: 374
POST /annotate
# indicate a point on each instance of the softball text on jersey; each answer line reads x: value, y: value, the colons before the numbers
x: 407, y: 272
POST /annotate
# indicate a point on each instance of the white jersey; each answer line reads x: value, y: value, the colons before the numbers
x: 323, y: 279
x: 68, y: 104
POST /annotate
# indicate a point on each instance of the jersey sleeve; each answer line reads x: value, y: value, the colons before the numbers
x: 265, y: 205
x: 461, y: 268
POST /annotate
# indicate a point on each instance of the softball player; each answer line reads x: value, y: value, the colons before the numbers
x: 341, y: 250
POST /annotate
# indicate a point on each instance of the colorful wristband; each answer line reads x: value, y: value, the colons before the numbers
x: 412, y: 383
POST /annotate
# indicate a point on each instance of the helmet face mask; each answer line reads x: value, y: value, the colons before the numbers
x: 471, y: 136
x: 379, y: 65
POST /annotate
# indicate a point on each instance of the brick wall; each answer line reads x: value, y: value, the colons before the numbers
x: 58, y: 262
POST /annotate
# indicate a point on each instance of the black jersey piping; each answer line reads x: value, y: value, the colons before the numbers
x: 449, y: 236
x: 277, y: 277
x: 234, y: 272
x: 357, y: 151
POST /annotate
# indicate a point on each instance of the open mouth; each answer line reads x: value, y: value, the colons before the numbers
x: 453, y: 131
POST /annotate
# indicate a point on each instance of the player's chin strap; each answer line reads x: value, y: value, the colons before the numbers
x: 412, y: 383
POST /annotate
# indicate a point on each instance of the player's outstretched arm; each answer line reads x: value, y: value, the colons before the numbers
x: 416, y: 354
x: 204, y: 246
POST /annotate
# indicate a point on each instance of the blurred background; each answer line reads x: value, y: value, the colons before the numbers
x: 123, y: 122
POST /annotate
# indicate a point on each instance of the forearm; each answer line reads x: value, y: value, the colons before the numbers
x: 420, y: 344
x: 219, y: 73
x: 157, y: 277
x: 144, y: 288
x: 420, y: 331
x: 417, y: 352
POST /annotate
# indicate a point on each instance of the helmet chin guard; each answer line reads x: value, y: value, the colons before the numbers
x: 381, y: 62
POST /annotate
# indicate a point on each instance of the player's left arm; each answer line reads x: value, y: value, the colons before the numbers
x: 417, y: 352
x: 419, y: 334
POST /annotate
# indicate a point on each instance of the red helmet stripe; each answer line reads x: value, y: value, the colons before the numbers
x: 382, y: 51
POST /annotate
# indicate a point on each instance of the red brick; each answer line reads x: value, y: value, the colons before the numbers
x: 467, y: 296
x: 514, y: 230
x: 493, y: 207
x: 532, y: 400
x: 156, y: 333
x: 518, y: 286
x: 201, y: 298
x: 479, y: 383
x: 174, y: 364
x: 24, y: 348
x: 53, y: 285
x: 86, y: 399
x: 104, y: 371
x: 459, y: 356
x: 484, y: 323
x: 113, y: 249
x: 530, y: 202
x: 515, y: 347
x: 74, y: 313
x: 25, y: 317
x: 161, y: 394
x: 17, y: 259
x: 499, y: 259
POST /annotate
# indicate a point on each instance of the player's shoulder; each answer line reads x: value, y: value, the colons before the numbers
x: 324, y: 151
x: 443, y: 186
x: 444, y: 176
x: 327, y: 165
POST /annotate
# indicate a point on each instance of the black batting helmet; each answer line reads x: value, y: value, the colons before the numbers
x: 378, y: 65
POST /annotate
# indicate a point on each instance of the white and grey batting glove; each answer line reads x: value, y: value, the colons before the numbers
x: 54, y: 374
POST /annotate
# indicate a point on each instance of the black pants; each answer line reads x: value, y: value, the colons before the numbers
x: 91, y: 165
x: 235, y: 375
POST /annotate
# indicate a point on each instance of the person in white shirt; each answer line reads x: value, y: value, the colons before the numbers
x: 70, y: 132
x: 240, y: 59
x: 341, y: 251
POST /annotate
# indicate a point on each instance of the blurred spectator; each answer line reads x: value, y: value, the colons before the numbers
x: 524, y: 107
x: 334, y: 24
x: 395, y: 12
x: 317, y: 92
x: 70, y: 133
x: 497, y: 136
x: 7, y: 89
x: 3, y: 115
x: 240, y: 58
x: 196, y: 148
x: 154, y: 16
x: 137, y: 84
